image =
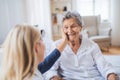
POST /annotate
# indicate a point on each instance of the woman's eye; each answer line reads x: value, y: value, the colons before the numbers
x: 73, y: 26
x: 65, y: 27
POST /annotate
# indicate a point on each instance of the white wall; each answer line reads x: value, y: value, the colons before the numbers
x: 33, y: 12
x: 74, y: 6
x: 11, y: 13
x: 4, y: 20
x: 115, y: 22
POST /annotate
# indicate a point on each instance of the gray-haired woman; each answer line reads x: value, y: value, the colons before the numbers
x: 82, y: 58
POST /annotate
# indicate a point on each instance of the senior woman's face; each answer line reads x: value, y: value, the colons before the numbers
x: 71, y: 28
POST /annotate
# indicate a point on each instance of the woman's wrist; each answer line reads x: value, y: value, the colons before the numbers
x: 112, y: 75
x: 62, y: 45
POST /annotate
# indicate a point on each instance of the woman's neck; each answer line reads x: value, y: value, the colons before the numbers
x: 75, y: 44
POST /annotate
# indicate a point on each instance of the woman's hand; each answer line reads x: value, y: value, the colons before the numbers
x: 56, y: 78
x: 64, y: 41
x: 64, y: 35
x: 112, y: 76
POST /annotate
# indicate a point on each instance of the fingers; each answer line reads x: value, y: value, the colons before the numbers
x: 64, y: 35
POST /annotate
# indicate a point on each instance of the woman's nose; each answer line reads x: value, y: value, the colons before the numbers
x: 69, y: 29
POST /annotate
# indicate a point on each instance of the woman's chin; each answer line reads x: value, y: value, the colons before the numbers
x: 71, y: 38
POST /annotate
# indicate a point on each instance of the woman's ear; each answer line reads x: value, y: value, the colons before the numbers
x: 36, y: 46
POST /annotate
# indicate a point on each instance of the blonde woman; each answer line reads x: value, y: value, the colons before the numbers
x: 24, y: 50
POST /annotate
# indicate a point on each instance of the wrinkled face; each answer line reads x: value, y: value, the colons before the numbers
x: 71, y: 28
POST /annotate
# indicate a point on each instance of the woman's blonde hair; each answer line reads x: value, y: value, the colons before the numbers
x: 19, y: 57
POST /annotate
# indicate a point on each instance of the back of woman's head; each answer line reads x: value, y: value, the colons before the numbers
x: 19, y: 57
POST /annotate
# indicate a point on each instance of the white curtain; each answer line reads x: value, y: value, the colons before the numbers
x: 38, y: 13
x: 34, y: 12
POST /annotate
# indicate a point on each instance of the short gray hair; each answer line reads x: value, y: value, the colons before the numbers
x: 74, y: 15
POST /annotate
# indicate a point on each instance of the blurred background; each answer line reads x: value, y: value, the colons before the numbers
x: 101, y: 21
x: 47, y: 15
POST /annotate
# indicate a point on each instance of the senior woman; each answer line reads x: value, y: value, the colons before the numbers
x: 83, y: 59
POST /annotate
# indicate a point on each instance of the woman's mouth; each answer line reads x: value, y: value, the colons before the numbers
x: 71, y: 34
